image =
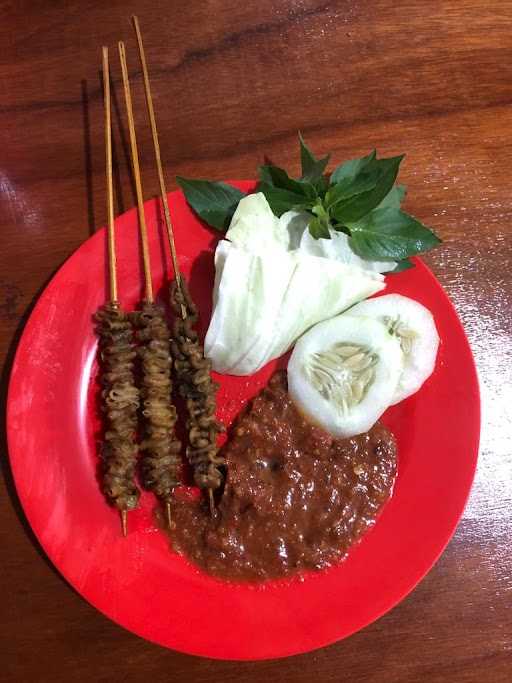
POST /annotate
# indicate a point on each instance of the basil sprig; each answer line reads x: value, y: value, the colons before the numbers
x: 359, y: 198
x: 215, y: 203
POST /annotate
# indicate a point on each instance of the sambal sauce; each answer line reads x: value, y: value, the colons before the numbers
x: 296, y: 498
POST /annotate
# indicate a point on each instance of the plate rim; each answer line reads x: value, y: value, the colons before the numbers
x: 14, y: 459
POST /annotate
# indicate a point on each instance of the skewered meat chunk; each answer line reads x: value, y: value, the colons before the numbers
x: 120, y: 402
x: 161, y: 463
x: 198, y: 390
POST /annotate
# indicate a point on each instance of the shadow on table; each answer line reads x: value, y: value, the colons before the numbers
x: 120, y: 151
x: 87, y: 152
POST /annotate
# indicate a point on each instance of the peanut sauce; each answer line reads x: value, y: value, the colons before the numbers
x: 295, y: 498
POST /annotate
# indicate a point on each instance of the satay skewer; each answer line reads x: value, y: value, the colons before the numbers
x: 192, y: 368
x: 160, y: 463
x: 119, y: 395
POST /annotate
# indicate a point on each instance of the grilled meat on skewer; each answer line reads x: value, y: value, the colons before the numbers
x: 195, y: 385
x: 161, y: 463
x: 120, y: 402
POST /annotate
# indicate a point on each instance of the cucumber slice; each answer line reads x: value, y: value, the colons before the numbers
x: 414, y: 327
x: 343, y: 373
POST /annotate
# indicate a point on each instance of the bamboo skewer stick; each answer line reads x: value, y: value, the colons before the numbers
x: 124, y: 522
x: 140, y: 205
x: 170, y: 523
x: 112, y: 264
x: 136, y: 173
x: 156, y: 146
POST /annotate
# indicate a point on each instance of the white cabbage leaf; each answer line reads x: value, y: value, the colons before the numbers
x: 338, y: 249
x: 255, y: 228
x: 248, y: 299
x: 264, y: 302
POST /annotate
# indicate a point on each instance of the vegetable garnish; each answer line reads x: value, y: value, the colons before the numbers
x: 359, y: 199
x: 413, y: 325
x: 346, y: 371
x: 343, y: 373
x: 263, y: 303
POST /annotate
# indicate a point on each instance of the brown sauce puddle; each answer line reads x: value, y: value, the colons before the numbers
x: 295, y: 497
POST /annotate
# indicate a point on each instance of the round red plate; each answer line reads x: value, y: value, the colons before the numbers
x: 138, y: 582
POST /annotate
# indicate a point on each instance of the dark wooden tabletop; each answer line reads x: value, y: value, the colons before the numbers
x: 233, y: 82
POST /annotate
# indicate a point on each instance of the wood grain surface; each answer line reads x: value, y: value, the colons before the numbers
x: 233, y: 82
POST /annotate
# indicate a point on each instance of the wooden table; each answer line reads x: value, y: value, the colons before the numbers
x: 234, y: 82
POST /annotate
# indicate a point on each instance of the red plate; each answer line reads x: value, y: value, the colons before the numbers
x: 138, y: 582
